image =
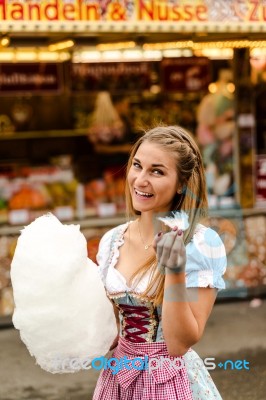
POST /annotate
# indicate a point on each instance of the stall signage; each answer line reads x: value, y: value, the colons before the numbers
x: 199, y: 11
x: 189, y: 74
x: 261, y: 180
x: 29, y: 77
x: 116, y: 76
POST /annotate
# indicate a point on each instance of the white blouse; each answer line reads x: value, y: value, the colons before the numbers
x: 205, y: 266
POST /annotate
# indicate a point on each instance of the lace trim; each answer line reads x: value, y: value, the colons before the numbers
x: 205, y: 278
x: 139, y: 296
x: 118, y: 242
x: 117, y: 239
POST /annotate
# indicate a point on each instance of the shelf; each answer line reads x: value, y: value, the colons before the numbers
x: 95, y: 222
x: 100, y: 222
x: 44, y: 134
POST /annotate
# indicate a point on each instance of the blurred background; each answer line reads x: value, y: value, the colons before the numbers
x: 79, y: 83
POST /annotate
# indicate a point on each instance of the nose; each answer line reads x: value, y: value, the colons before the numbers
x: 141, y: 179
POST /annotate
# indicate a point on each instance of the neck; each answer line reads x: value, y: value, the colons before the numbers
x: 149, y: 224
x: 146, y: 216
x: 145, y: 227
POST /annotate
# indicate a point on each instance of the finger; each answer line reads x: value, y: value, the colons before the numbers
x: 159, y: 246
x: 173, y: 258
x: 164, y: 248
x: 178, y: 254
x: 156, y: 239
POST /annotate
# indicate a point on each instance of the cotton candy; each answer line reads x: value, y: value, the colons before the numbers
x: 177, y: 218
x: 61, y: 309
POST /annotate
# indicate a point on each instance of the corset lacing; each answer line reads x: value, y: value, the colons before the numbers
x: 137, y: 318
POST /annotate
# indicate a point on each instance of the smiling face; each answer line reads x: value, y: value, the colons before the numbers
x: 152, y: 178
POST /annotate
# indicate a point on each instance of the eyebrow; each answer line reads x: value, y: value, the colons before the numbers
x: 153, y: 165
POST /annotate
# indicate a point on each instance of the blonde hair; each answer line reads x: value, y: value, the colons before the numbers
x: 193, y: 198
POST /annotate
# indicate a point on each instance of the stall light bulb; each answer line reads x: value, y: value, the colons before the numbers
x: 66, y: 44
x: 230, y: 87
x: 212, y: 88
x: 5, y: 41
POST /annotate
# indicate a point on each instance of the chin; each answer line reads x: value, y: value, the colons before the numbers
x: 139, y: 209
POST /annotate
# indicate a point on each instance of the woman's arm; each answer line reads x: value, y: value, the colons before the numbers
x: 184, y: 311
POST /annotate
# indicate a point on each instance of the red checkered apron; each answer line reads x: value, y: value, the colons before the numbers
x: 163, y: 383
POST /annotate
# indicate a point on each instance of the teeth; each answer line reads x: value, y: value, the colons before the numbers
x: 143, y: 193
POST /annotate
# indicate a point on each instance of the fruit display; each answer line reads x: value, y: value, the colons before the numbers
x: 27, y: 197
x: 37, y: 189
x: 108, y: 189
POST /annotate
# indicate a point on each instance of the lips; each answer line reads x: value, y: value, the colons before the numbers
x: 141, y: 194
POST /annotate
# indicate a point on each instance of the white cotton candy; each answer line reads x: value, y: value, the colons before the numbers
x: 178, y: 218
x: 62, y: 311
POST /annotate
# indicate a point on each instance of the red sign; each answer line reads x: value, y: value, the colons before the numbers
x: 186, y: 74
x: 261, y: 180
x: 199, y: 11
x: 33, y: 77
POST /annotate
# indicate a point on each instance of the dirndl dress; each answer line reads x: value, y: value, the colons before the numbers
x: 141, y: 336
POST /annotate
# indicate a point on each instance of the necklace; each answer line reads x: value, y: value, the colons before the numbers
x: 146, y: 246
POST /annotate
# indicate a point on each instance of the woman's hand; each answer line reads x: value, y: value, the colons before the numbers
x: 171, y: 251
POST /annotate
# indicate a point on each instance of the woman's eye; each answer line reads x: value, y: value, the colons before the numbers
x: 158, y: 172
x: 136, y: 165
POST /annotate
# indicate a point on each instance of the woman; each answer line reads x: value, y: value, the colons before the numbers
x: 162, y: 289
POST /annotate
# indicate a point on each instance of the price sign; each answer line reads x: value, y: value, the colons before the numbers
x: 64, y: 213
x: 106, y: 209
x: 19, y: 217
